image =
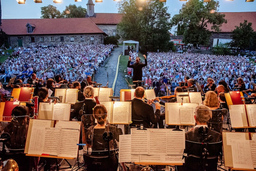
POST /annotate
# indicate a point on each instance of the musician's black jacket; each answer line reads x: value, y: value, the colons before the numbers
x: 144, y: 113
x: 137, y: 69
x: 195, y: 135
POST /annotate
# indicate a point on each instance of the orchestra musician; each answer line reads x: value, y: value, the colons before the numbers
x: 77, y: 85
x: 184, y: 84
x: 240, y: 84
x: 143, y: 113
x: 191, y: 85
x: 101, y: 143
x: 210, y: 86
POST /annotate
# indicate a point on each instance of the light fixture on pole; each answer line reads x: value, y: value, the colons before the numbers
x: 21, y: 1
x: 38, y: 1
x: 78, y: 0
x: 212, y: 11
x: 57, y: 1
x: 99, y: 1
x: 162, y: 0
x: 249, y: 0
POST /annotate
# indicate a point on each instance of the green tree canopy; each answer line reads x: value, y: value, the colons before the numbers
x: 244, y: 36
x: 196, y: 19
x: 72, y: 11
x: 50, y: 11
x: 150, y: 26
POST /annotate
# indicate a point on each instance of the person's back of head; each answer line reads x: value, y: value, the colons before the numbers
x: 43, y: 94
x: 20, y: 112
x: 211, y: 99
x: 222, y: 97
x: 49, y: 83
x: 139, y: 92
x: 220, y: 89
x: 202, y: 114
x: 88, y: 92
x: 178, y: 89
x: 76, y: 84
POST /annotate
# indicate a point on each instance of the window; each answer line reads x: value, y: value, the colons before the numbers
x: 32, y: 39
x: 92, y: 38
x: 114, y: 33
x: 41, y: 39
x: 82, y: 39
x: 62, y: 39
x: 52, y: 39
x: 72, y: 39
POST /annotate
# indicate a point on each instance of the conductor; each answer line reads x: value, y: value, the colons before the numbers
x: 137, y: 69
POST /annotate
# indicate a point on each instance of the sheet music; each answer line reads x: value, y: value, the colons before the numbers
x: 51, y: 142
x: 139, y: 142
x: 68, y: 124
x: 71, y: 96
x: 46, y: 107
x: 109, y: 107
x: 61, y: 93
x: 150, y: 94
x: 185, y: 98
x: 96, y: 91
x: 253, y: 152
x: 157, y: 141
x: 104, y: 94
x: 151, y: 158
x: 172, y: 110
x: 195, y: 97
x: 135, y: 158
x: 36, y: 143
x: 124, y: 148
x: 241, y: 154
x: 236, y: 118
x: 175, y: 142
x: 186, y: 115
x: 132, y: 93
x: 174, y: 159
x: 122, y: 112
x: 251, y: 110
x: 232, y: 136
x: 61, y: 111
x: 68, y: 142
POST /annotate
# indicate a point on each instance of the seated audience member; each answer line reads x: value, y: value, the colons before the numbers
x: 240, y: 85
x: 77, y: 85
x: 143, y: 113
x: 201, y: 133
x: 210, y: 85
x: 191, y: 86
x: 17, y: 129
x: 97, y: 138
x: 211, y: 101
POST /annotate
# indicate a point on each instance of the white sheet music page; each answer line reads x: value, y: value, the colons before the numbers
x: 124, y: 148
x: 61, y: 93
x: 186, y: 115
x: 96, y: 91
x: 68, y: 124
x: 195, y: 97
x: 51, y: 141
x: 36, y: 143
x: 172, y: 110
x: 104, y: 94
x: 236, y: 118
x: 109, y: 107
x: 71, y: 96
x: 46, y: 107
x: 139, y: 142
x: 122, y: 113
x: 157, y: 141
x: 232, y: 136
x: 69, y: 138
x: 241, y: 154
x: 253, y: 152
x: 175, y: 142
x: 150, y: 94
x: 61, y: 111
x: 251, y: 110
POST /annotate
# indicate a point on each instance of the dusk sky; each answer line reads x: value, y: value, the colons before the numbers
x: 12, y: 10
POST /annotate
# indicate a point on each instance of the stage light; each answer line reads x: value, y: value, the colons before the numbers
x: 229, y: 0
x: 78, y: 0
x: 140, y: 8
x: 212, y: 11
x: 162, y: 0
x: 98, y: 0
x: 207, y: 0
x: 249, y: 0
x: 38, y: 1
x: 57, y: 1
x: 21, y: 1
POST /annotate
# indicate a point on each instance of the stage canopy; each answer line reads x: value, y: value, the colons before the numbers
x: 131, y: 42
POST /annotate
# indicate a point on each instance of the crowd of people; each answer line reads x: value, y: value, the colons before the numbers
x: 172, y: 68
x: 71, y: 61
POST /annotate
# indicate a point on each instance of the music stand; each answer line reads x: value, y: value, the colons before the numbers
x: 138, y: 83
x: 183, y: 95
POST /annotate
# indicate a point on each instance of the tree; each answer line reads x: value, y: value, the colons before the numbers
x: 72, y: 11
x: 150, y: 26
x: 197, y: 19
x: 50, y: 11
x: 244, y: 36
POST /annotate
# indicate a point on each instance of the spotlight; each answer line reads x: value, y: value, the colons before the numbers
x: 78, y: 0
x: 162, y: 0
x: 249, y: 0
x: 98, y: 0
x: 57, y: 1
x: 21, y: 1
x: 207, y: 0
x: 38, y: 1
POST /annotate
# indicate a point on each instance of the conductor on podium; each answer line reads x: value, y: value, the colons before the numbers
x: 137, y: 69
